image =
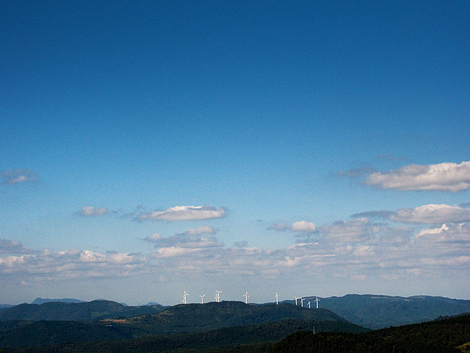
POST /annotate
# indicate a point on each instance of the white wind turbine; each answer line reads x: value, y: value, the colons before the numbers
x: 217, y: 295
x: 277, y: 299
x: 296, y: 298
x: 184, y: 297
x: 302, y: 302
x: 317, y: 300
x: 202, y: 298
x: 309, y: 304
x: 246, y: 297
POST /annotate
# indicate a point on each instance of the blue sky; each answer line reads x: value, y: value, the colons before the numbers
x: 305, y: 148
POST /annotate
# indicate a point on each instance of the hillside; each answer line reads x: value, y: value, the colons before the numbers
x: 204, y: 317
x: 440, y: 336
x: 240, y: 339
x: 85, y: 311
x: 379, y: 311
x: 175, y: 320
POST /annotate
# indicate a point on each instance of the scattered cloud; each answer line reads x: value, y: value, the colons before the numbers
x: 425, y: 214
x: 92, y: 211
x: 441, y: 177
x: 184, y: 213
x: 18, y: 176
x: 341, y: 249
x: 200, y: 230
x: 70, y: 264
x: 301, y: 226
x: 358, y: 230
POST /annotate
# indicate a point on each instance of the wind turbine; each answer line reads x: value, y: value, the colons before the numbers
x: 246, y: 297
x: 217, y: 295
x: 184, y: 297
x: 277, y: 299
x: 317, y: 300
x: 302, y: 302
x: 296, y: 300
x: 202, y: 298
x: 309, y: 304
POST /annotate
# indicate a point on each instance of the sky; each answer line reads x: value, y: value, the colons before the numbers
x: 149, y: 148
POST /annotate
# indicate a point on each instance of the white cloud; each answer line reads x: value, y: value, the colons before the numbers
x: 184, y: 213
x: 431, y: 214
x: 442, y: 177
x: 154, y: 237
x: 301, y: 226
x: 92, y: 211
x: 17, y: 176
x: 447, y: 233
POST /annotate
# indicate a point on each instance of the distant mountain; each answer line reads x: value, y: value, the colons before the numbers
x: 5, y: 307
x: 85, y: 311
x: 379, y: 311
x: 40, y: 301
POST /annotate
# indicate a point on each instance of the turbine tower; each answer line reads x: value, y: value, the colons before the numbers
x: 302, y: 302
x: 217, y: 295
x: 184, y: 297
x: 246, y: 297
x: 317, y: 300
x: 202, y: 298
x: 277, y: 299
x: 296, y: 300
x: 309, y: 304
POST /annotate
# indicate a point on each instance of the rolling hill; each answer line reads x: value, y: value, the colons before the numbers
x: 379, y: 311
x: 85, y: 311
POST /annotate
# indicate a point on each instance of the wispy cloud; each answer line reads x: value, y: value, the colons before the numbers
x: 358, y: 230
x: 355, y: 172
x: 13, y: 247
x: 92, y: 211
x: 18, y: 176
x: 426, y: 214
x: 441, y: 177
x: 192, y: 238
x: 184, y: 213
x: 200, y: 230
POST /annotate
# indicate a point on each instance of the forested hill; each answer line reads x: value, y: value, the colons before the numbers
x: 181, y: 319
x: 379, y: 311
x: 203, y: 317
x: 450, y: 335
x: 86, y: 311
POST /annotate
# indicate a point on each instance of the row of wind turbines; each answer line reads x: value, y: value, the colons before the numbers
x: 217, y: 298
